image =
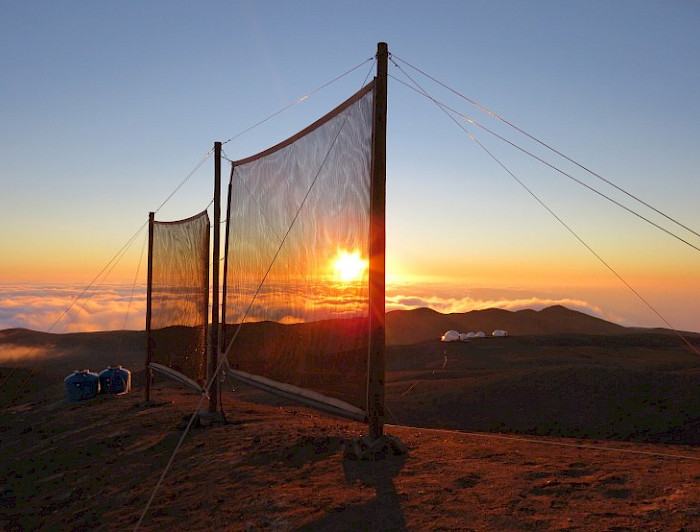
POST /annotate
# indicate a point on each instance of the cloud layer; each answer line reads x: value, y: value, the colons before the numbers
x: 63, y: 308
x: 446, y: 299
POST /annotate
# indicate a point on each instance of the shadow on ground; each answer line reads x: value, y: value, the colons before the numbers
x: 382, y: 513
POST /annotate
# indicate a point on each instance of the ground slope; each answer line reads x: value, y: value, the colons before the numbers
x: 93, y: 465
x: 640, y: 387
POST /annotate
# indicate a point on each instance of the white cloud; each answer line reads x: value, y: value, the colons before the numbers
x: 113, y: 307
x: 39, y: 307
x: 448, y: 299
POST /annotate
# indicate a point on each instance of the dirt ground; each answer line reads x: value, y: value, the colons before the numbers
x: 93, y: 466
x: 557, y: 432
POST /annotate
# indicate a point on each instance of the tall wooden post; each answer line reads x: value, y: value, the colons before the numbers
x: 377, y: 251
x: 214, y: 351
x: 149, y: 289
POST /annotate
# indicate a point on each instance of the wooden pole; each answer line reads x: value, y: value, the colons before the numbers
x: 149, y: 297
x: 377, y: 251
x: 214, y: 351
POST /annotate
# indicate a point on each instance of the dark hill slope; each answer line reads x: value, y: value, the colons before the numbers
x: 405, y: 327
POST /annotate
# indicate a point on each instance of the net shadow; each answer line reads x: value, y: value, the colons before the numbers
x: 382, y: 513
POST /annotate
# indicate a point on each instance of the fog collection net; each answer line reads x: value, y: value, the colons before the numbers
x: 297, y: 259
x: 180, y: 296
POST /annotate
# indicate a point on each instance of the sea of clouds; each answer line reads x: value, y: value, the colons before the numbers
x: 448, y: 298
x: 73, y: 308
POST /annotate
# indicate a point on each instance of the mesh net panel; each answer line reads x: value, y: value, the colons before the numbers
x: 179, y: 296
x: 303, y: 207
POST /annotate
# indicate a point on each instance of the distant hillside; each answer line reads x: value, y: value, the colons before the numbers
x: 405, y: 327
x: 64, y: 352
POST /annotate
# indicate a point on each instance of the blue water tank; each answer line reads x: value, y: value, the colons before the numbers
x: 81, y: 385
x: 115, y: 379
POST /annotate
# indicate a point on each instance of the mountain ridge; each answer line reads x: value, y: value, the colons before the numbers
x: 405, y: 327
x: 412, y: 326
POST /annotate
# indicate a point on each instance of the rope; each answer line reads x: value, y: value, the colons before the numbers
x: 131, y: 298
x: 103, y: 273
x: 388, y: 410
x: 187, y: 178
x: 111, y: 264
x: 308, y: 286
x: 410, y: 388
x: 444, y: 363
x: 547, y: 442
x: 601, y: 194
x: 291, y: 225
x: 532, y: 137
x: 299, y: 100
x: 240, y: 325
x: 555, y: 443
x: 284, y: 238
x: 170, y: 462
x: 108, y: 269
x: 560, y: 220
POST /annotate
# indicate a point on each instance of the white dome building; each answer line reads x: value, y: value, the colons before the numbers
x: 450, y: 336
x: 499, y: 333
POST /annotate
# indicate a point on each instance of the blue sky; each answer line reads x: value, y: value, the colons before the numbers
x: 106, y: 107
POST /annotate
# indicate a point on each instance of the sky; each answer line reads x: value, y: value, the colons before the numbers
x: 106, y: 107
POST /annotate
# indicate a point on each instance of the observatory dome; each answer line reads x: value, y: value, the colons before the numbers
x: 450, y: 336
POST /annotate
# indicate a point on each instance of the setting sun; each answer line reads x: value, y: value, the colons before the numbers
x: 349, y: 266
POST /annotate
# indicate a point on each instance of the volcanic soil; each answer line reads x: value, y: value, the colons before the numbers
x: 586, y: 429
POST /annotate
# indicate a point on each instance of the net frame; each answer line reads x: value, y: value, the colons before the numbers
x: 201, y: 254
x: 312, y: 398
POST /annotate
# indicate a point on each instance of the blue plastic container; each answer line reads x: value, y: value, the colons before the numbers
x: 115, y: 379
x: 82, y: 385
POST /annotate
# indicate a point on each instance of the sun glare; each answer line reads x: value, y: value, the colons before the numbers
x: 349, y: 266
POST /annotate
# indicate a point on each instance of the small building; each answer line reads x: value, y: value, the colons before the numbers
x: 450, y: 336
